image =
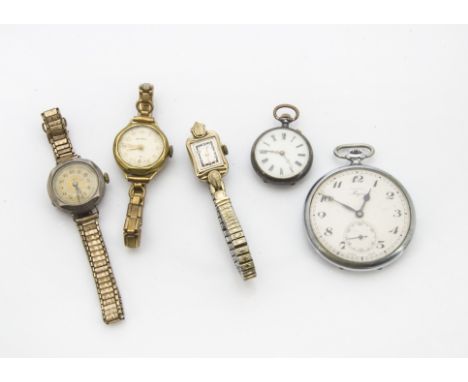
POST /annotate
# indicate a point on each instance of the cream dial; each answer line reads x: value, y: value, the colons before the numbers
x: 140, y: 146
x: 359, y: 215
x: 282, y: 153
x: 75, y: 183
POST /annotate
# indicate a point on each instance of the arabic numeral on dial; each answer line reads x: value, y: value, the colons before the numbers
x: 325, y: 198
x: 358, y: 179
x: 343, y: 245
x: 329, y: 231
x: 394, y: 230
x: 397, y: 214
x: 337, y: 184
x: 321, y: 214
x: 381, y: 244
x: 376, y: 183
x: 390, y: 195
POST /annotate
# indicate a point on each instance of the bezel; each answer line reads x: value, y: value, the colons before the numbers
x: 150, y: 170
x: 200, y: 172
x: 80, y: 208
x: 350, y: 265
x: 271, y: 179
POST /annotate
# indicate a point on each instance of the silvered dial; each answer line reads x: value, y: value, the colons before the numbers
x: 281, y: 154
x: 140, y: 146
x: 359, y: 216
x: 75, y: 183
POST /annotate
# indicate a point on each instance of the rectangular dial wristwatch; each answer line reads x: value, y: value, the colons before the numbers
x: 76, y: 186
x: 210, y: 165
x: 140, y: 149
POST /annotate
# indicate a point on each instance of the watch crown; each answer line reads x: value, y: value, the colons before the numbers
x: 171, y: 151
x: 225, y: 149
x: 106, y: 177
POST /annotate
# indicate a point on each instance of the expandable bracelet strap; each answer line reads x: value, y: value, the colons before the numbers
x: 109, y: 296
x: 144, y: 104
x: 56, y: 129
x: 231, y: 227
x: 134, y: 218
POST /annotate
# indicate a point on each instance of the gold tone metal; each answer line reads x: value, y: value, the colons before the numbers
x: 134, y: 217
x: 140, y: 176
x: 230, y: 225
x: 109, y: 296
x: 56, y: 129
x: 86, y: 217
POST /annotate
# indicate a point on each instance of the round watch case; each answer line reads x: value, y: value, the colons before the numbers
x: 144, y: 170
x: 90, y: 204
x: 349, y: 265
x: 271, y: 179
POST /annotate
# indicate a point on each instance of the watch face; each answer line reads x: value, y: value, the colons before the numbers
x: 140, y: 146
x: 75, y: 183
x: 282, y: 155
x: 207, y: 154
x: 359, y: 218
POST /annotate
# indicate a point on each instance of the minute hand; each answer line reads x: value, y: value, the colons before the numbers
x: 331, y: 198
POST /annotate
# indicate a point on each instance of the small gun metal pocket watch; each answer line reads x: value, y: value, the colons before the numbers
x: 359, y: 217
x: 210, y: 165
x: 141, y: 150
x: 282, y: 155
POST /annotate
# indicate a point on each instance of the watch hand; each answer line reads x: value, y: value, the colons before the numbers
x: 289, y: 162
x: 77, y: 189
x: 360, y: 212
x: 360, y: 237
x: 135, y: 147
x: 332, y: 199
x: 273, y: 151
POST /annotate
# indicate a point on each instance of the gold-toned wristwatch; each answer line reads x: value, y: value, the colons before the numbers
x: 76, y: 186
x: 140, y: 149
x: 210, y: 165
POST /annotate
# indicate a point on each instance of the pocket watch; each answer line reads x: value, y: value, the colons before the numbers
x: 140, y: 149
x: 77, y: 186
x: 359, y: 217
x: 210, y: 165
x: 282, y: 155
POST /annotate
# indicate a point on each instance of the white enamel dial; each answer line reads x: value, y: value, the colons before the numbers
x: 75, y: 183
x: 282, y: 153
x: 359, y: 215
x: 140, y: 146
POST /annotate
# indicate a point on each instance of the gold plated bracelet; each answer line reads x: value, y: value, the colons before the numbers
x: 209, y: 163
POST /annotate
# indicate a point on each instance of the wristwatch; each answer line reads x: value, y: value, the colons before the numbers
x: 207, y: 154
x: 77, y: 186
x: 140, y: 149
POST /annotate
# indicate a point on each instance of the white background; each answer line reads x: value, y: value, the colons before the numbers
x: 403, y: 89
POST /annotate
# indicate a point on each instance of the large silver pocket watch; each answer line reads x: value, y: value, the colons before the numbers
x: 359, y: 217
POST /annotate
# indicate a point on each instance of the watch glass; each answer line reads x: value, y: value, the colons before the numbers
x: 207, y: 154
x: 359, y: 217
x: 75, y: 183
x: 140, y: 146
x: 281, y: 154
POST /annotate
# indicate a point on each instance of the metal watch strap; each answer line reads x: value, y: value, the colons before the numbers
x: 134, y: 218
x: 56, y: 129
x: 109, y: 296
x: 231, y: 227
